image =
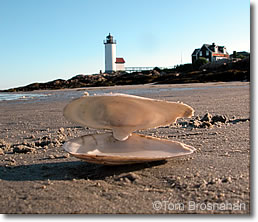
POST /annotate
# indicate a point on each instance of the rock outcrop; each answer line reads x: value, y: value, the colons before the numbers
x: 231, y: 71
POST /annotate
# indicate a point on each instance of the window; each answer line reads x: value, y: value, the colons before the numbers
x: 200, y: 53
x: 207, y: 53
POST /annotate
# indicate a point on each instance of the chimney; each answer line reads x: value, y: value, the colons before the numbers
x: 234, y: 54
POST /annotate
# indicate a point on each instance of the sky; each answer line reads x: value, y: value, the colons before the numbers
x: 43, y: 40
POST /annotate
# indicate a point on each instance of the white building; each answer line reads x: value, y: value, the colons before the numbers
x: 120, y: 64
x: 112, y: 63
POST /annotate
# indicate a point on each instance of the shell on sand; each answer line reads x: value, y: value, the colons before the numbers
x: 124, y: 114
x: 105, y: 149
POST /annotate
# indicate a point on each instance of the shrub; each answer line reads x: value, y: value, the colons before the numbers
x: 199, y: 62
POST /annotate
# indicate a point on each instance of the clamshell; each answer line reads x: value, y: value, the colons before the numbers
x: 124, y: 114
x: 105, y: 149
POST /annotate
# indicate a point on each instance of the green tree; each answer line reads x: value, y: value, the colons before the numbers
x: 199, y: 62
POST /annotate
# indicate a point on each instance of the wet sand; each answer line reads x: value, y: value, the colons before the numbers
x: 38, y: 176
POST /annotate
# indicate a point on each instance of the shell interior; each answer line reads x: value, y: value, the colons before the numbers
x: 124, y: 114
x: 104, y: 149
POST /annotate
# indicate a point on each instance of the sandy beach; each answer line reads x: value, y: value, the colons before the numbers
x: 38, y: 176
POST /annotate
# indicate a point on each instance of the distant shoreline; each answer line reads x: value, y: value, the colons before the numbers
x: 147, y: 89
x: 224, y: 72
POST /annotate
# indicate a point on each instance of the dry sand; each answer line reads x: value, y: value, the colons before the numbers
x: 45, y: 179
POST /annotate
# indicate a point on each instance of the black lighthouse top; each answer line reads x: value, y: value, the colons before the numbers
x: 110, y: 40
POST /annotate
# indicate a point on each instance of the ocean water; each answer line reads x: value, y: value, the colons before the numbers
x: 18, y: 96
x: 137, y: 91
x: 68, y: 95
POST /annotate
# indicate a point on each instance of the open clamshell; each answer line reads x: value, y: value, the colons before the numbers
x: 124, y: 114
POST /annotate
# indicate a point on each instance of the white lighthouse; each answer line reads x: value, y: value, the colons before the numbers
x: 110, y: 54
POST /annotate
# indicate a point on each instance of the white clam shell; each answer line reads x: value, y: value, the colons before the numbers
x: 124, y: 114
x: 104, y: 149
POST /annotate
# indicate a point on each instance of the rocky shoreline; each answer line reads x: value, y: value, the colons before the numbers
x: 224, y: 72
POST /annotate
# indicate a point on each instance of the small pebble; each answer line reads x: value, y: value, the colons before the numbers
x: 197, y: 174
x: 125, y: 179
x: 51, y: 156
x: 23, y: 149
x: 129, y: 176
x: 207, y: 117
x: 32, y: 136
x: 226, y: 180
x: 86, y: 93
x: 51, y: 145
x: 67, y: 155
x: 61, y: 130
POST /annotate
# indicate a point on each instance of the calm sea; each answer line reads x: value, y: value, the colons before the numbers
x: 67, y: 95
x: 18, y: 96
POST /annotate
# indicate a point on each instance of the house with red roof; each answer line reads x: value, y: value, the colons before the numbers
x: 120, y: 64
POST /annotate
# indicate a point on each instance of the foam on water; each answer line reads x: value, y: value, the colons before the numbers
x: 18, y: 96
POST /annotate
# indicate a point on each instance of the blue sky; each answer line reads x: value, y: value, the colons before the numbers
x: 42, y: 40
